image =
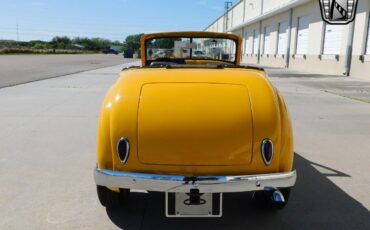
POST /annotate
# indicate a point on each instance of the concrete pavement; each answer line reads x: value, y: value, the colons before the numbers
x: 47, y: 153
x: 16, y: 69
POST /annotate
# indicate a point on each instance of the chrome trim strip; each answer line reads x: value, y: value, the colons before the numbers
x: 206, y: 184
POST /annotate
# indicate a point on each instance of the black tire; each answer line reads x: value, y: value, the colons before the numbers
x: 264, y: 199
x: 111, y: 199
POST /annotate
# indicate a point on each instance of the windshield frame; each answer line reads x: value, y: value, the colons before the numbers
x: 147, y: 37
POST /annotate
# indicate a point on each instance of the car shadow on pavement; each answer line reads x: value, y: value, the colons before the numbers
x: 315, y: 203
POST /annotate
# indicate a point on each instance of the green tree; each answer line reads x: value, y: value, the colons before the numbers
x: 63, y: 42
x: 38, y: 44
x: 94, y: 44
x: 132, y: 42
x: 117, y: 43
x: 100, y: 43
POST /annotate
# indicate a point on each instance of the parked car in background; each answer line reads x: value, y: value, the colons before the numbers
x: 110, y: 51
x: 128, y: 54
x: 194, y: 128
x: 199, y: 53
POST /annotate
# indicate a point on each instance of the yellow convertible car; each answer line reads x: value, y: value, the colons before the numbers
x: 194, y: 126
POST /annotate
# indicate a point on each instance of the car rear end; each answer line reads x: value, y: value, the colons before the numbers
x: 195, y: 131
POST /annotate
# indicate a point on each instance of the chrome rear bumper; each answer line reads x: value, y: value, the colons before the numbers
x: 205, y: 184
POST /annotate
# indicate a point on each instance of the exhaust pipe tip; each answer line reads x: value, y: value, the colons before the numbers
x: 278, y: 197
x: 275, y: 194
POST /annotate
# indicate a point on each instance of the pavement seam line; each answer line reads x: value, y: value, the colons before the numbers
x: 348, y: 97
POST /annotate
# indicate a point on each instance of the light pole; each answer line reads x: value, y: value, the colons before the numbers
x: 228, y: 5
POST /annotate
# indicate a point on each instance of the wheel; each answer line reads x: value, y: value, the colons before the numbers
x: 111, y: 199
x: 265, y: 199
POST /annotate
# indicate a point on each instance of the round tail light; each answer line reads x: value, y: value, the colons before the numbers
x: 267, y: 151
x: 123, y: 149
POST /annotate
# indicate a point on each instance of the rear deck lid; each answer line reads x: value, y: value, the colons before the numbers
x: 194, y: 124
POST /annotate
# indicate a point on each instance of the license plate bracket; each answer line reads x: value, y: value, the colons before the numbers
x: 178, y: 205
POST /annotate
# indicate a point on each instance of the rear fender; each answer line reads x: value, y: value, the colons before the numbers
x: 286, y: 151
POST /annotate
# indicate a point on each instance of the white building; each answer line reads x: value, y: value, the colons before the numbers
x: 291, y: 33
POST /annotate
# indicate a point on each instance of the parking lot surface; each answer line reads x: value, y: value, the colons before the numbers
x: 47, y: 156
x: 16, y: 69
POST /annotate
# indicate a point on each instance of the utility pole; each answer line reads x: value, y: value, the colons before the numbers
x: 228, y: 5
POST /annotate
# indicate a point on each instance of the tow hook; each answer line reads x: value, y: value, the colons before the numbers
x: 194, y: 198
x: 192, y: 179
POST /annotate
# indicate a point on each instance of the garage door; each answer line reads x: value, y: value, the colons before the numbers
x: 333, y: 39
x: 302, y: 35
x: 368, y: 38
x: 246, y: 43
x: 267, y: 40
x: 256, y: 36
x: 283, y: 37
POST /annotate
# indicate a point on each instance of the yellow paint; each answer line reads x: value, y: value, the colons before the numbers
x: 184, y: 114
x: 114, y: 189
x: 194, y: 122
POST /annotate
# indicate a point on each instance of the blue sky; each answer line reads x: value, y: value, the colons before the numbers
x: 112, y: 19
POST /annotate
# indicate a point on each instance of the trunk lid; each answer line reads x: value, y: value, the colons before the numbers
x: 195, y: 124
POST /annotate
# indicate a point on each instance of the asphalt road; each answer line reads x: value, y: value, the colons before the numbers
x: 16, y: 69
x: 47, y: 155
